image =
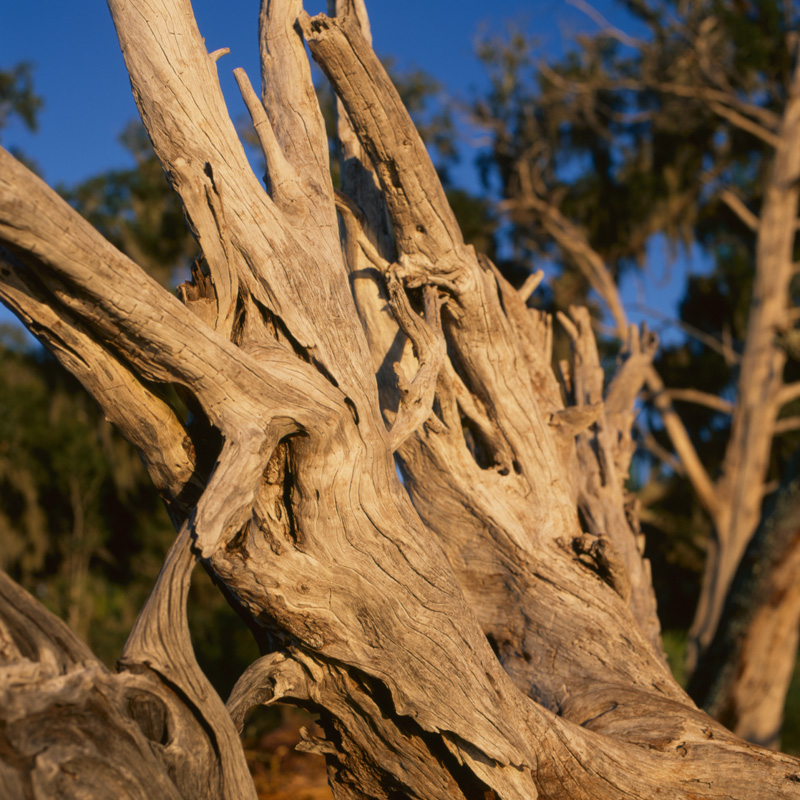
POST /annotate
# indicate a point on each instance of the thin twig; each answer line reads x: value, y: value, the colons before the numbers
x: 416, y: 404
x: 744, y: 123
x: 737, y: 205
x: 725, y: 350
x: 531, y: 284
x: 785, y: 425
x: 605, y: 26
x: 706, y: 399
x: 648, y: 441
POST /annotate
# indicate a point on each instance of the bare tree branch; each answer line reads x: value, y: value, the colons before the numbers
x: 788, y: 393
x: 605, y: 26
x: 786, y: 425
x: 574, y: 244
x: 735, y: 204
x: 160, y: 639
x: 744, y: 123
x: 722, y: 347
x: 144, y: 419
x: 760, y: 381
x: 651, y: 445
x: 711, y: 401
x: 436, y: 640
x: 531, y: 284
x: 416, y: 405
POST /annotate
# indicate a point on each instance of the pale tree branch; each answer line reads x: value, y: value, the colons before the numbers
x: 354, y: 224
x: 416, y: 402
x: 282, y: 179
x: 604, y: 454
x: 483, y: 334
x: 357, y: 174
x: 428, y: 238
x: 728, y: 101
x: 531, y: 284
x: 160, y: 639
x: 650, y: 444
x: 295, y: 116
x: 724, y: 347
x: 197, y: 143
x: 142, y: 418
x: 788, y: 393
x: 712, y: 401
x: 785, y: 425
x: 635, y: 362
x: 288, y: 93
x: 534, y: 329
x: 737, y: 205
x: 744, y: 123
x: 573, y: 420
x: 266, y: 681
x: 252, y: 408
x: 574, y: 244
x: 747, y: 454
x: 605, y: 26
x: 49, y: 675
x: 692, y: 466
x: 640, y: 348
x: 333, y: 559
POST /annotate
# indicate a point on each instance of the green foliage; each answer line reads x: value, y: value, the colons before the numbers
x: 17, y: 97
x: 80, y: 524
x: 621, y: 136
x: 19, y: 100
x: 674, y: 642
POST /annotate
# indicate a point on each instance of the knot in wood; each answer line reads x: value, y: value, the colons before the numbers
x: 599, y: 555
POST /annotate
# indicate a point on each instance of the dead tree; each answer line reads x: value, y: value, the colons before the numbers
x: 459, y: 634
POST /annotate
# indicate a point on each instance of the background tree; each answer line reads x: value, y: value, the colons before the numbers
x: 687, y: 132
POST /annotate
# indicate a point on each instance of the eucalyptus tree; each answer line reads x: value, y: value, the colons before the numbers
x: 459, y: 633
x: 687, y: 129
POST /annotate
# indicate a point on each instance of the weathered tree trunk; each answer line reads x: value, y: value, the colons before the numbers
x: 476, y: 643
x: 739, y: 493
x: 744, y: 673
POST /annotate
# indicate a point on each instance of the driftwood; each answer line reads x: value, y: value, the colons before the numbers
x: 459, y: 633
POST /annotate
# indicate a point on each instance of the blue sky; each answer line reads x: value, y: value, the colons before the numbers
x: 81, y: 76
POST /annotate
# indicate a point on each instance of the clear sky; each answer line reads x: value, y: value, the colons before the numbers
x: 81, y: 75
